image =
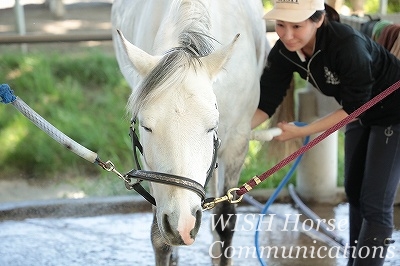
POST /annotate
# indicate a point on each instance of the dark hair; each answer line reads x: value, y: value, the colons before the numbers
x: 331, y: 14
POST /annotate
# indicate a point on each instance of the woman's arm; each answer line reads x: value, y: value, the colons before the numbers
x: 258, y: 118
x: 290, y: 131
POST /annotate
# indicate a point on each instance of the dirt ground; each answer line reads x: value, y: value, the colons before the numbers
x: 81, y: 17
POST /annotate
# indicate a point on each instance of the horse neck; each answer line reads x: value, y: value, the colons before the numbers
x: 183, y: 18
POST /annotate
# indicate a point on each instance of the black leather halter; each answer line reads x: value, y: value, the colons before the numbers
x: 164, y: 178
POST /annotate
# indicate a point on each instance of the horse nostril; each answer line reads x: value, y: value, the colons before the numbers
x: 198, y: 216
x: 167, y: 225
x: 196, y: 228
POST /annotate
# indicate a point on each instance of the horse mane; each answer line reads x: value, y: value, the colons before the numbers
x: 192, y: 22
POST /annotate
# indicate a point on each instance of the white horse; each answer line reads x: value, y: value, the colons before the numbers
x: 191, y: 76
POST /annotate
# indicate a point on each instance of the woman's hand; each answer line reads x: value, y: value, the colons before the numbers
x: 289, y: 131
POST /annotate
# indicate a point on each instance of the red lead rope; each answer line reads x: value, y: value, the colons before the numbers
x: 246, y: 187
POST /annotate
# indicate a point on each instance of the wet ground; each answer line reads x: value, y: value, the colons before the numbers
x: 62, y: 234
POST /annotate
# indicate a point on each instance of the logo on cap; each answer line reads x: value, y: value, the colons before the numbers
x: 288, y: 1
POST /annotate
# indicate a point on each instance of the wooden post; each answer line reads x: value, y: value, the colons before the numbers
x: 317, y: 172
x: 383, y: 4
x: 57, y: 8
x: 20, y: 21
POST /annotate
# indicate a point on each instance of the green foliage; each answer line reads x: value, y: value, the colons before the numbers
x: 372, y: 6
x: 83, y: 96
x: 393, y: 6
x: 268, y: 4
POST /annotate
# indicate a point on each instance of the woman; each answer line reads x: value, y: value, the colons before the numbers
x: 342, y: 63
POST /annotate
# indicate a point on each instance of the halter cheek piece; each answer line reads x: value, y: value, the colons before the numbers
x: 164, y: 178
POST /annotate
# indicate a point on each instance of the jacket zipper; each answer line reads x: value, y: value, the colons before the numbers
x: 309, y: 74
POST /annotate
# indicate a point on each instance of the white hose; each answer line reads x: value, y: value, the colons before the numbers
x: 266, y: 134
x: 53, y: 132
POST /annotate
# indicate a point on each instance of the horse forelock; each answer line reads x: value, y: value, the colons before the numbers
x: 193, y: 22
x: 169, y: 72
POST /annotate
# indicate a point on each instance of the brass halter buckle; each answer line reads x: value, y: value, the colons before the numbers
x: 212, y: 202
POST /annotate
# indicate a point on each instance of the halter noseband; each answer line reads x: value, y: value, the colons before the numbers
x: 164, y: 178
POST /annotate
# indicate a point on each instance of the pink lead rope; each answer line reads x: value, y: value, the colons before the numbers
x: 249, y: 185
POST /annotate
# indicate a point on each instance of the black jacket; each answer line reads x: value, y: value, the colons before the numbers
x: 346, y: 65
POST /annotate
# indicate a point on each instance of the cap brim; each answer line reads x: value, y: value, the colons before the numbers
x: 289, y: 15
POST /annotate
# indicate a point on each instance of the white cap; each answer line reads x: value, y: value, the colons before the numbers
x: 294, y: 10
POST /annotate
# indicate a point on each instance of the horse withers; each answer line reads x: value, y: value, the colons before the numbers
x: 191, y: 77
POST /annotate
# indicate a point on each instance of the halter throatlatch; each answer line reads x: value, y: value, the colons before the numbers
x: 139, y: 175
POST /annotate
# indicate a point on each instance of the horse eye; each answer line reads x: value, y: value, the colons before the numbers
x: 147, y: 129
x: 212, y: 129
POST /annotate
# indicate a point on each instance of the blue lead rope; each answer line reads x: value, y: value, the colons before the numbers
x: 6, y: 94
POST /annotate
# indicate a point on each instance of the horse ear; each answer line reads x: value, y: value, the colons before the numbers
x: 216, y: 60
x: 142, y: 61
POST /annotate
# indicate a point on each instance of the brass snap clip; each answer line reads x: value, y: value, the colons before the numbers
x: 212, y: 202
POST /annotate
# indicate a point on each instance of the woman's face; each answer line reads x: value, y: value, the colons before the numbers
x: 297, y: 36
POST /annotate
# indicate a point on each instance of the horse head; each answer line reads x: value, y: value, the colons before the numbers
x: 176, y: 109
